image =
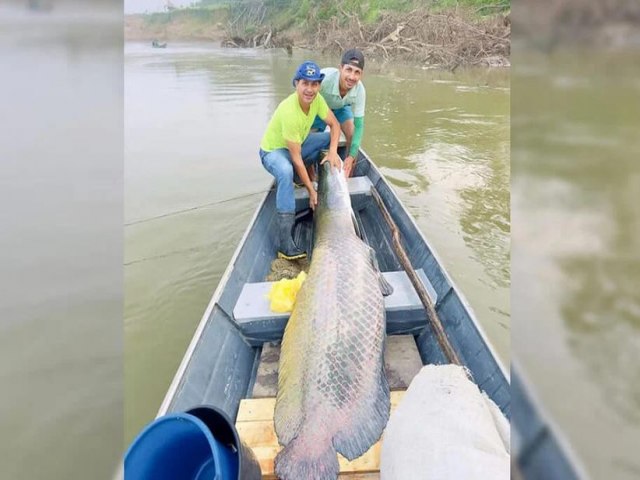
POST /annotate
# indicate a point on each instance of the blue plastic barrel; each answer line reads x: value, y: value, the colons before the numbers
x: 179, y: 446
x: 222, y: 428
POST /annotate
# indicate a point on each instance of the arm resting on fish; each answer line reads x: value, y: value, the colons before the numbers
x: 334, y: 128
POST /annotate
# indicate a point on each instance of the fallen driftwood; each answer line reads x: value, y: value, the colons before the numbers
x: 448, y: 40
x: 265, y: 39
x: 441, y: 39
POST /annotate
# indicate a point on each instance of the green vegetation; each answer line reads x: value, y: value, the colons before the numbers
x: 480, y: 7
x: 498, y: 4
x: 159, y: 18
x: 206, y: 14
x: 284, y: 13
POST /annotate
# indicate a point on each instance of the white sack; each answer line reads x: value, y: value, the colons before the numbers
x: 445, y: 429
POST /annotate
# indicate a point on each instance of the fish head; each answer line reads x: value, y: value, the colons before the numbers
x: 333, y: 191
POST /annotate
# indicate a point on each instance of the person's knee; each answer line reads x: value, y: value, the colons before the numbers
x: 284, y: 171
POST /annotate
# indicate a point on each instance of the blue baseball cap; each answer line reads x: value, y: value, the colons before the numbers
x: 309, y: 71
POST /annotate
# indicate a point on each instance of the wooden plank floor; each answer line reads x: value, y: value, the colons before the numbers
x: 255, y: 427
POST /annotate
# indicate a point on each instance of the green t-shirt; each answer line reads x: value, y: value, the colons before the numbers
x: 290, y: 123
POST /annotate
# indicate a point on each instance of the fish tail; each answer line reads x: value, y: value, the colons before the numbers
x: 306, y: 460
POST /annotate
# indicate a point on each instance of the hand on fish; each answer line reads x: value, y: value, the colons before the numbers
x: 349, y: 164
x: 333, y: 159
x: 313, y: 197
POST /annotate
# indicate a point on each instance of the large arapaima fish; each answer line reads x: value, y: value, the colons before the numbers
x: 333, y: 395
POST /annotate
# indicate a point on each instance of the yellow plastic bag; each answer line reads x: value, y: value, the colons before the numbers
x: 283, y: 293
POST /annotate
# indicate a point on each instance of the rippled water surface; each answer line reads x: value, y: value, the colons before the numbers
x: 195, y: 115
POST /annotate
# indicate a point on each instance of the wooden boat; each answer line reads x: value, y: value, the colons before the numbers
x: 221, y: 364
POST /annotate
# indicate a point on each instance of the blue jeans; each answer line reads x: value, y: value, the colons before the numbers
x: 342, y: 114
x: 279, y: 164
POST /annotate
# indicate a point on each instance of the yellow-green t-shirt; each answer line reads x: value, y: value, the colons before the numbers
x: 290, y: 123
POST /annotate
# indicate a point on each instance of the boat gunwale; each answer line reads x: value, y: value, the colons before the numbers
x: 548, y: 421
x: 465, y: 303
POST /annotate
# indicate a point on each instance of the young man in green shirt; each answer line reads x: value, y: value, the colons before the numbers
x: 288, y: 146
x: 346, y: 97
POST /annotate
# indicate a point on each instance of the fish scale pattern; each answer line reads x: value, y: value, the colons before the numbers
x: 332, y: 392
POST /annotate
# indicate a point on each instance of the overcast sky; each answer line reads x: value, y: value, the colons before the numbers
x: 141, y: 6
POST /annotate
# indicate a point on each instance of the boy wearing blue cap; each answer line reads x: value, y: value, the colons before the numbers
x: 287, y: 145
x: 344, y: 92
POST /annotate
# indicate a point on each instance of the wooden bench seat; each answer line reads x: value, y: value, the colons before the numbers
x: 405, y: 312
x: 359, y: 190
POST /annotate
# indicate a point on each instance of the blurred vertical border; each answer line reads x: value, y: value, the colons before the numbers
x: 61, y: 152
x: 575, y: 191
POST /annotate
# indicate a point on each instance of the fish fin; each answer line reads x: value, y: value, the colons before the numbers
x: 385, y: 287
x: 288, y: 411
x: 366, y: 427
x: 307, y: 460
x: 356, y: 227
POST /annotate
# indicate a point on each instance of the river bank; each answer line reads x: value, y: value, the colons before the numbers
x: 444, y: 38
x: 182, y: 25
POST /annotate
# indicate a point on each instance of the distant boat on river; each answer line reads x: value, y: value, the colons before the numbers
x: 40, y: 5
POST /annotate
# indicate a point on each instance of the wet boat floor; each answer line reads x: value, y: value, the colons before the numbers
x: 401, y: 361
